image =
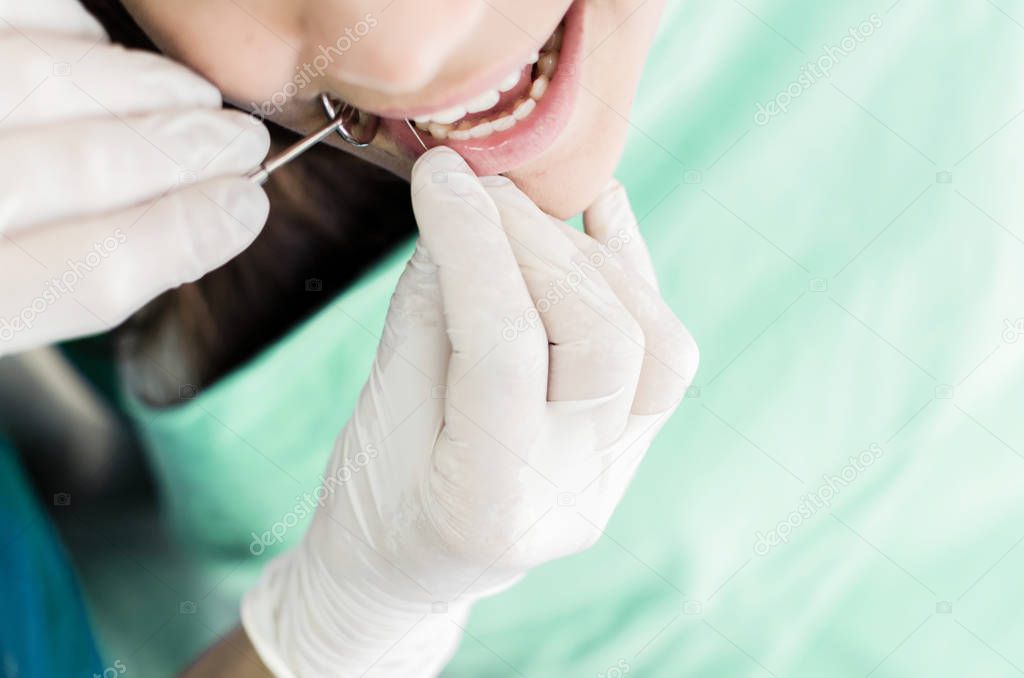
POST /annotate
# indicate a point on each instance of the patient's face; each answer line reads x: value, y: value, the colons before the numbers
x: 539, y: 90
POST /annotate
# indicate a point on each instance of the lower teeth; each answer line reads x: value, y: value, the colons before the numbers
x: 501, y: 121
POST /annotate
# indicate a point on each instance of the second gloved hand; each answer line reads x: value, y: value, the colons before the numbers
x: 120, y: 176
x: 523, y: 372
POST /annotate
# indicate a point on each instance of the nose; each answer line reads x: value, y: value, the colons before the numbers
x: 391, y: 46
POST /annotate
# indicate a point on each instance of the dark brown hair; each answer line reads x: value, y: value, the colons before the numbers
x: 332, y: 216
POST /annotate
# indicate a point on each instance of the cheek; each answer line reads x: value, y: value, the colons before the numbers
x: 248, y: 54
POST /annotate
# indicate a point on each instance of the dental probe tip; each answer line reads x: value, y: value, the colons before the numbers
x: 416, y: 134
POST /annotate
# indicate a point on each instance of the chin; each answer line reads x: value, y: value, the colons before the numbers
x: 568, y: 180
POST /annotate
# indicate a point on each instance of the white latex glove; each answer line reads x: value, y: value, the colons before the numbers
x: 120, y: 176
x: 523, y: 372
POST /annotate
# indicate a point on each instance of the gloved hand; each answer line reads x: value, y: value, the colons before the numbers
x: 523, y: 371
x: 120, y: 176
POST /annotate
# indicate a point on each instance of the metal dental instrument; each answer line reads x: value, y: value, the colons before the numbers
x: 416, y: 134
x: 341, y: 117
x: 263, y: 172
x: 350, y: 115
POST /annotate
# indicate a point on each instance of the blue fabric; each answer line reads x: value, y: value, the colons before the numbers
x: 43, y: 626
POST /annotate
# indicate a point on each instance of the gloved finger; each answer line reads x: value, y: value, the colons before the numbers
x: 489, y: 377
x: 414, y: 332
x: 670, y: 354
x: 100, y: 165
x: 596, y: 347
x: 610, y: 220
x: 57, y: 78
x: 56, y: 16
x: 403, y: 401
x: 609, y: 471
x: 412, y: 359
x: 83, y: 276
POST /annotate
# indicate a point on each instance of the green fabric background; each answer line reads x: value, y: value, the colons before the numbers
x: 849, y: 270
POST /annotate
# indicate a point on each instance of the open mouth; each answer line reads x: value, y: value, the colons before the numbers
x: 513, y: 121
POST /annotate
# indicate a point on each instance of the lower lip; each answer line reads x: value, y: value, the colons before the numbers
x: 505, y: 151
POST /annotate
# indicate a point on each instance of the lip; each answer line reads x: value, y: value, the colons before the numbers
x: 502, y: 152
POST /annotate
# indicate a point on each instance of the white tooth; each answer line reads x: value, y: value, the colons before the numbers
x: 510, y: 81
x: 540, y: 85
x: 482, y: 102
x: 524, y: 109
x: 533, y: 58
x: 481, y: 130
x: 421, y: 118
x: 503, y: 123
x: 439, y: 131
x: 548, y: 63
x: 422, y: 126
x: 449, y: 115
x: 459, y: 134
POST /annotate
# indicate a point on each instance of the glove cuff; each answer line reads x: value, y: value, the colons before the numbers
x: 303, y: 622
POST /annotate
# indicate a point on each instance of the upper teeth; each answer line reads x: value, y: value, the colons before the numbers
x: 443, y: 124
x: 510, y: 81
x: 481, y: 102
